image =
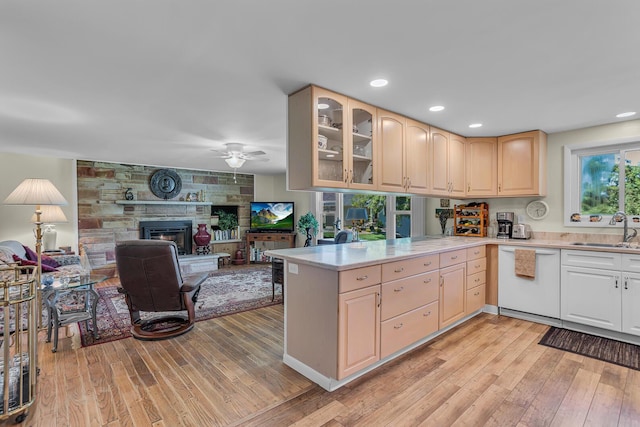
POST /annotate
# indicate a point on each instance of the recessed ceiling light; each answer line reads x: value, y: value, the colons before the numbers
x: 323, y: 106
x: 436, y: 108
x: 627, y: 114
x: 379, y: 83
x: 475, y: 125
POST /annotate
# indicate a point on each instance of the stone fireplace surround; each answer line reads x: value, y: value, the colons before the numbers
x: 104, y: 218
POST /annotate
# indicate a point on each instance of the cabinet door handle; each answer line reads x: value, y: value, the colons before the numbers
x: 379, y: 298
x: 616, y: 282
x: 626, y: 283
x: 477, y: 280
x: 454, y: 257
x: 469, y: 187
x: 365, y: 277
x: 441, y: 281
x: 428, y: 313
x: 399, y: 270
x: 351, y: 175
x: 427, y: 264
x: 428, y: 280
x: 398, y: 326
x: 499, y: 188
x: 346, y: 176
x: 400, y: 289
x: 477, y: 293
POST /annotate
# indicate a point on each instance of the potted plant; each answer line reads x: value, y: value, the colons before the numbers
x: 308, y: 225
x: 227, y: 222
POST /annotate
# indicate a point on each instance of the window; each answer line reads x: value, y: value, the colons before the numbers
x: 388, y: 216
x: 601, y: 180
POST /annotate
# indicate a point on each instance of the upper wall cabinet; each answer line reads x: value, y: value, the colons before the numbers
x: 482, y: 174
x: 330, y: 141
x: 522, y: 164
x: 403, y: 153
x: 447, y: 165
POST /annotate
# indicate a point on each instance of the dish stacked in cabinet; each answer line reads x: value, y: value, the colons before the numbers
x: 409, y: 308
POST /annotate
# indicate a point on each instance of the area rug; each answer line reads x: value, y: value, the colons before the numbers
x: 620, y: 353
x: 224, y: 292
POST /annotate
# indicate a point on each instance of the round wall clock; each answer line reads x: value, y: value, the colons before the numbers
x: 166, y: 184
x: 537, y: 209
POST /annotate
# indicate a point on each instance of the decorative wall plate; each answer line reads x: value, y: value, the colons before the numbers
x: 537, y: 209
x: 166, y: 184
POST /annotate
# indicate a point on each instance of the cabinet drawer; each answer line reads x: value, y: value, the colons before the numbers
x: 476, y: 266
x: 631, y: 262
x: 404, y: 330
x: 358, y: 278
x: 477, y: 279
x: 409, y: 267
x: 592, y: 259
x: 406, y: 294
x: 475, y: 298
x: 453, y: 257
x: 477, y: 252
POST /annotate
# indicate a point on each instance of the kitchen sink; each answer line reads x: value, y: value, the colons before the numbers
x: 600, y: 245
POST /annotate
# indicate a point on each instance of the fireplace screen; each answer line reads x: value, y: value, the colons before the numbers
x: 178, y: 232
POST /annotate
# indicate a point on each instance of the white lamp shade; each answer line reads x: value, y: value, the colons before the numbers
x: 50, y: 214
x: 34, y: 191
x: 235, y: 162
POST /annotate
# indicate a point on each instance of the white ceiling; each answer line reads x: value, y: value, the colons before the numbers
x: 162, y: 82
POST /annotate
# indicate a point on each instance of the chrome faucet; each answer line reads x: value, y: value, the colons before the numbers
x: 625, y: 233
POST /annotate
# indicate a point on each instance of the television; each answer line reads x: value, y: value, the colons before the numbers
x: 272, y: 217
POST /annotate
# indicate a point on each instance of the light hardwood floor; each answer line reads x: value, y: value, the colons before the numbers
x: 228, y: 371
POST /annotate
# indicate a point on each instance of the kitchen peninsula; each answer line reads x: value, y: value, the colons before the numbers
x: 350, y: 308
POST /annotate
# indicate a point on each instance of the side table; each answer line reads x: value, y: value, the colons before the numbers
x: 75, y: 301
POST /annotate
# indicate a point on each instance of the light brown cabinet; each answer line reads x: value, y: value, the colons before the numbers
x: 358, y: 330
x: 522, y: 164
x: 452, y: 287
x: 404, y: 154
x: 482, y: 173
x: 447, y: 174
x: 391, y: 152
x: 476, y: 278
x: 331, y: 141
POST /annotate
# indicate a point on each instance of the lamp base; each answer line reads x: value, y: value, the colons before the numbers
x: 49, y: 236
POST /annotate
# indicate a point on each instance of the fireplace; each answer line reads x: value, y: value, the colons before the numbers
x: 174, y: 231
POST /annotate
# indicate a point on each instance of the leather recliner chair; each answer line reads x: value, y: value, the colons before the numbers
x: 151, y: 282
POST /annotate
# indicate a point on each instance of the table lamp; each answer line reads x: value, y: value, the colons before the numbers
x: 50, y: 214
x: 356, y: 216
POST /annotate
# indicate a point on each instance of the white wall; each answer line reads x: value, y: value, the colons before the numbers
x: 15, y: 223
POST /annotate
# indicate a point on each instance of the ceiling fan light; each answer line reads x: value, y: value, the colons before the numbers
x: 235, y: 162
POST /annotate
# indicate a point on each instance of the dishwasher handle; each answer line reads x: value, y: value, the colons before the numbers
x: 538, y: 251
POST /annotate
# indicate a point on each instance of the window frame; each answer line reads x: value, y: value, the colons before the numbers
x: 572, y: 174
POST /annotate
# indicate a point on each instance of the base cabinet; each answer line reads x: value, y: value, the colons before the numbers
x: 606, y: 297
x: 358, y: 330
x: 407, y: 328
x: 452, y: 287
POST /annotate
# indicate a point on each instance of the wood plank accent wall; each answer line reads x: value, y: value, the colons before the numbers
x: 102, y: 222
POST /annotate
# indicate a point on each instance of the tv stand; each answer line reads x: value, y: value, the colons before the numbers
x: 250, y: 237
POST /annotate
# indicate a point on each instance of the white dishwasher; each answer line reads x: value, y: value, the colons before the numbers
x: 539, y: 295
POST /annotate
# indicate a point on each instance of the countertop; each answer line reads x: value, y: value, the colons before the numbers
x: 361, y: 254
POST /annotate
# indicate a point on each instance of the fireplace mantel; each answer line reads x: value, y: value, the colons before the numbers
x: 161, y: 202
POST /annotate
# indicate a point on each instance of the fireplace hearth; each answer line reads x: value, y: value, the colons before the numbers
x: 178, y: 232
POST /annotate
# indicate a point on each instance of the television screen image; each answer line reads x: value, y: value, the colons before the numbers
x: 272, y: 216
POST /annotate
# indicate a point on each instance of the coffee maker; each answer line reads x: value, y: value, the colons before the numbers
x: 505, y: 224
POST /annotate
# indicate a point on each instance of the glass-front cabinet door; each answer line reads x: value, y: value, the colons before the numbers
x: 330, y: 168
x: 361, y: 136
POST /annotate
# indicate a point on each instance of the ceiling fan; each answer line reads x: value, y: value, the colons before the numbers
x: 235, y: 156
